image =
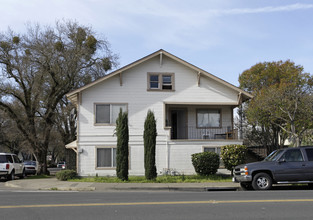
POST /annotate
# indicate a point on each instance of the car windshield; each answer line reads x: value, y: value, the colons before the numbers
x: 274, y: 155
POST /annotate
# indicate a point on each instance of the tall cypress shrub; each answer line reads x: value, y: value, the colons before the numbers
x: 122, y: 146
x: 149, y: 137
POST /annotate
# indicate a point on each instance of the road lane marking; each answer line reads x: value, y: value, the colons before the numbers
x: 155, y: 203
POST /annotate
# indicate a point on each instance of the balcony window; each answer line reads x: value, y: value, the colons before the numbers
x: 208, y: 118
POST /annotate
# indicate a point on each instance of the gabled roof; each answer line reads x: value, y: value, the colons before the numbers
x: 73, y: 95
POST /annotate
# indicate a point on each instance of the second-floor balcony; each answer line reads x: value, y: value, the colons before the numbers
x: 200, y: 122
x: 194, y: 133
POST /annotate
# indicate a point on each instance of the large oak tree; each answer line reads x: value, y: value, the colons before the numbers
x: 39, y: 67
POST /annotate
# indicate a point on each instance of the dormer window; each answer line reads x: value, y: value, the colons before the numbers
x: 160, y: 81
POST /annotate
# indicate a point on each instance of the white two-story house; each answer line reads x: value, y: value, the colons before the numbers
x: 193, y: 109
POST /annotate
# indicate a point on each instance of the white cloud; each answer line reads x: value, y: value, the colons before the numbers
x: 159, y: 22
x: 269, y: 9
x: 180, y: 23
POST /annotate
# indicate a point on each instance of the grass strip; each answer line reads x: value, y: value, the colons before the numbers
x: 159, y: 179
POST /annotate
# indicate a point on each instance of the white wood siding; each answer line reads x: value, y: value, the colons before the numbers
x: 133, y: 92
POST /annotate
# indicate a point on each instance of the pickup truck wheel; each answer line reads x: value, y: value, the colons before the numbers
x: 262, y: 181
x: 11, y: 176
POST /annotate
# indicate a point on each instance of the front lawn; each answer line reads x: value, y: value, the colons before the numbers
x: 159, y: 179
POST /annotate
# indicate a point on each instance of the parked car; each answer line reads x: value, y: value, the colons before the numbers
x: 11, y: 166
x: 61, y: 165
x: 30, y: 167
x: 284, y: 166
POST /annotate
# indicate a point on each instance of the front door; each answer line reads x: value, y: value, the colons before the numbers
x: 179, y: 124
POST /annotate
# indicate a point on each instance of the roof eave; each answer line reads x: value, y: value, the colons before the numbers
x: 135, y: 63
x: 72, y: 94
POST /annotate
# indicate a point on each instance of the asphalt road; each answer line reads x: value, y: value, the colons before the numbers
x: 274, y: 204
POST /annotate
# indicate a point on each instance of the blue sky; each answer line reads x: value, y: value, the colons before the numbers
x: 223, y: 37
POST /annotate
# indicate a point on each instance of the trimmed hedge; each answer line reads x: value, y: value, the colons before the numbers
x: 205, y: 163
x: 64, y: 175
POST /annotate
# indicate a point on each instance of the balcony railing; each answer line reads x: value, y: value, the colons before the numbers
x: 194, y: 133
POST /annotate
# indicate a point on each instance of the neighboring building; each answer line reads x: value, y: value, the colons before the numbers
x: 193, y: 109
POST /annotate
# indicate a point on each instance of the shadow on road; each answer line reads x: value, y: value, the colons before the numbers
x: 292, y: 187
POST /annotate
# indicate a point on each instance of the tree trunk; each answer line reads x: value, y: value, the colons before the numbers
x: 42, y: 160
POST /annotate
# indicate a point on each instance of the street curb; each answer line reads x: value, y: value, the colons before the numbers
x: 59, y: 186
x: 186, y: 189
x: 222, y: 188
x: 69, y: 189
x: 199, y: 189
x: 191, y: 189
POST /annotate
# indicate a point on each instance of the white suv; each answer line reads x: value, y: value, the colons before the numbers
x: 11, y: 166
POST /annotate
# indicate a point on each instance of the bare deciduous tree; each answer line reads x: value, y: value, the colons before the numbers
x: 38, y: 68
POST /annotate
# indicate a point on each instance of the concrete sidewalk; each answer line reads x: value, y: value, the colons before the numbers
x: 54, y: 184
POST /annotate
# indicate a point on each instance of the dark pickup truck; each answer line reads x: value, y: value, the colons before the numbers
x: 283, y: 166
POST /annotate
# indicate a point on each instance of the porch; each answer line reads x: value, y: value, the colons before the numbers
x: 194, y: 133
x: 200, y: 122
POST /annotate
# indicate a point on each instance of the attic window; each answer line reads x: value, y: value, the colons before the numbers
x: 154, y: 82
x: 160, y: 81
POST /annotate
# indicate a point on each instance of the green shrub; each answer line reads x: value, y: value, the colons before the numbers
x: 205, y: 163
x: 233, y: 155
x: 64, y: 175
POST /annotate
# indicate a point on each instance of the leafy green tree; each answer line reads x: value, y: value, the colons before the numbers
x: 122, y: 146
x: 150, y: 134
x: 282, y: 101
x: 290, y: 107
x: 233, y: 155
x: 38, y: 68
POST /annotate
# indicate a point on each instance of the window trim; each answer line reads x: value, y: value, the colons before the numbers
x: 216, y: 149
x: 219, y: 111
x: 96, y: 157
x: 106, y: 103
x: 160, y: 81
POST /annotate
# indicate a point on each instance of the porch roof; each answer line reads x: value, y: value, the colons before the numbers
x: 72, y: 145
